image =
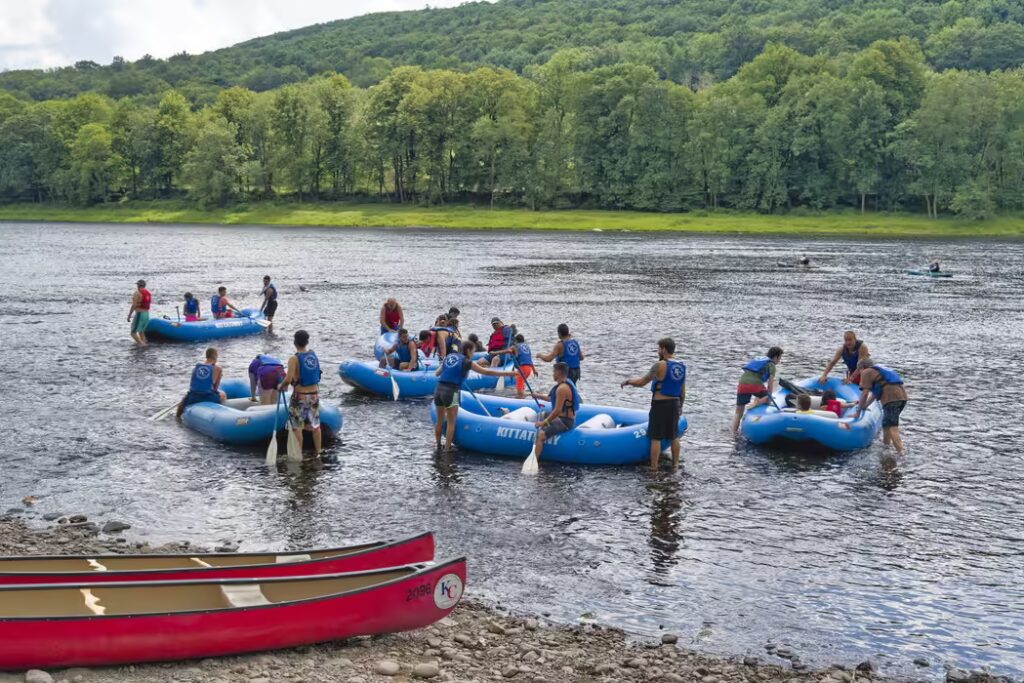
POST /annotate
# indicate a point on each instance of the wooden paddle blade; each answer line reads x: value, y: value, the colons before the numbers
x: 530, y: 465
x: 272, y: 450
x: 394, y: 388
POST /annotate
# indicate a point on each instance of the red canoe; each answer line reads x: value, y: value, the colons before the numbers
x: 120, y: 623
x: 201, y: 566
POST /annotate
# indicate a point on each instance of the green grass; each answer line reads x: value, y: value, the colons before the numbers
x: 342, y: 214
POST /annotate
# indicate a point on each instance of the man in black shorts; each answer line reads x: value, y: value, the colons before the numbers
x: 269, y: 293
x: 565, y: 403
x: 667, y: 378
x: 451, y: 373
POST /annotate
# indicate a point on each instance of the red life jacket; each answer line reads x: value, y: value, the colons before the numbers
x: 145, y: 299
x: 428, y: 345
x: 391, y: 318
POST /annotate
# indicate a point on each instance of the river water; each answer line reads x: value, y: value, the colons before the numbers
x: 839, y: 558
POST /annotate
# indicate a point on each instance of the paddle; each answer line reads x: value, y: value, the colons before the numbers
x: 481, y: 403
x: 530, y: 465
x: 272, y: 447
x: 294, y: 445
x: 394, y: 387
x: 165, y: 413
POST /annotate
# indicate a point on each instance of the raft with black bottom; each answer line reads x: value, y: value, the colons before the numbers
x: 368, y: 376
x: 242, y: 421
x: 775, y: 422
x: 930, y: 273
x: 604, y: 435
x: 203, y: 330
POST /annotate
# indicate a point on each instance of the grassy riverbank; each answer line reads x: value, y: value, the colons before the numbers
x: 465, y: 217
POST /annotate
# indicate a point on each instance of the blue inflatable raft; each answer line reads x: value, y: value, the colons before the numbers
x: 241, y: 421
x: 203, y: 330
x: 778, y: 422
x: 604, y: 435
x: 368, y: 376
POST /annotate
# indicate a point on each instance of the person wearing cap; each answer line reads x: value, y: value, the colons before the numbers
x: 502, y: 339
x: 269, y: 307
x: 138, y: 314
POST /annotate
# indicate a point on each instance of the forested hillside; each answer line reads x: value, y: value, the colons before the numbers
x: 619, y: 125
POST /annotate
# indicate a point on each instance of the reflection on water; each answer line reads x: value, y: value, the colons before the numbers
x: 841, y: 557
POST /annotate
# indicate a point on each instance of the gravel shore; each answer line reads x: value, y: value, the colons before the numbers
x: 476, y: 643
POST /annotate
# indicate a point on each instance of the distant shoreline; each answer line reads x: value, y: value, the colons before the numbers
x: 368, y: 215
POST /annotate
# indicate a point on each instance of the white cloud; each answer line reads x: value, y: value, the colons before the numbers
x: 45, y: 33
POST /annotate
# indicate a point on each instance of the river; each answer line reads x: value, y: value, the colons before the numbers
x: 838, y: 557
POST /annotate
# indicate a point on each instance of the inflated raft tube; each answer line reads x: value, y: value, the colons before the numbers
x: 368, y: 376
x: 604, y: 435
x: 243, y: 421
x: 767, y: 423
x: 389, y: 339
x: 203, y: 330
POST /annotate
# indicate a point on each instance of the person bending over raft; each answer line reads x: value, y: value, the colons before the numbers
x: 304, y: 378
x: 265, y: 374
x: 667, y: 378
x: 756, y: 384
x: 392, y: 318
x: 191, y: 308
x: 879, y: 383
x: 451, y: 373
x: 205, y: 383
x: 406, y: 351
x: 566, y: 350
x: 564, y: 400
x: 269, y: 307
x: 850, y: 353
x: 220, y: 306
x: 138, y: 314
x: 501, y: 341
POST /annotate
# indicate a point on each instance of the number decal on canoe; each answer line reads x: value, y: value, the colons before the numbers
x: 420, y: 591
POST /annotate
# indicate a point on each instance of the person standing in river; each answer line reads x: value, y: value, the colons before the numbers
x: 879, y: 383
x: 850, y: 353
x: 304, y: 407
x: 756, y: 384
x: 667, y: 378
x: 138, y: 314
x: 269, y: 307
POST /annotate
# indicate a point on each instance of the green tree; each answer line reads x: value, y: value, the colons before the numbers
x: 213, y: 166
x: 94, y: 167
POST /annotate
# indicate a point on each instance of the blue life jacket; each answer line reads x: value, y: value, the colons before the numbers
x: 886, y: 376
x: 761, y: 366
x: 215, y: 306
x: 403, y: 353
x: 309, y: 368
x: 202, y: 379
x: 454, y: 369
x: 524, y: 356
x: 269, y: 360
x: 273, y: 289
x: 852, y: 357
x: 675, y: 379
x: 570, y: 353
x: 191, y: 306
x: 575, y: 398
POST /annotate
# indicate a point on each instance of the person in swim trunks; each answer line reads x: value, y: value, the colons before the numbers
x: 138, y: 314
x: 667, y: 378
x: 451, y: 373
x: 882, y: 384
x: 304, y: 377
x: 564, y: 401
x: 204, y: 385
x: 756, y: 384
x: 269, y: 307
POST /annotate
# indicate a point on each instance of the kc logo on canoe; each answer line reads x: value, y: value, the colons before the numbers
x: 448, y: 591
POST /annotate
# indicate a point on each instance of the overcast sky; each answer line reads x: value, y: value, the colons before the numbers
x: 43, y: 33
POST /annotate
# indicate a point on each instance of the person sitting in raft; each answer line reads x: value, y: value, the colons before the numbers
x: 667, y: 378
x: 265, y: 374
x: 138, y: 314
x: 523, y: 359
x: 269, y: 306
x: 451, y: 373
x: 204, y: 385
x: 564, y: 400
x: 392, y: 318
x: 756, y: 384
x: 879, y: 383
x: 935, y: 266
x: 304, y: 377
x: 191, y: 308
x: 406, y: 353
x: 445, y: 337
x: 501, y: 341
x: 566, y: 350
x: 474, y: 343
x: 453, y: 315
x: 220, y: 306
x: 850, y: 352
x: 831, y: 403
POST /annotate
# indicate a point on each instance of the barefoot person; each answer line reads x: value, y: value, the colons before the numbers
x: 566, y: 350
x: 667, y: 378
x: 265, y: 374
x: 850, y: 353
x: 138, y: 314
x: 879, y: 383
x: 392, y: 317
x: 304, y: 377
x: 756, y: 384
x: 564, y: 401
x: 269, y: 307
x: 451, y: 373
x: 205, y: 383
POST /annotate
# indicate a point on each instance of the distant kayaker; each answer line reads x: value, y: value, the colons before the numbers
x: 564, y: 402
x: 205, y: 383
x: 501, y: 341
x: 566, y: 350
x: 804, y: 260
x: 138, y: 314
x: 392, y: 318
x: 756, y: 384
x: 935, y: 266
x: 269, y: 307
x: 406, y: 353
x: 667, y: 378
x: 304, y: 377
x: 451, y: 373
x: 220, y: 306
x: 265, y: 374
x: 879, y: 383
x: 850, y: 353
x: 191, y: 308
